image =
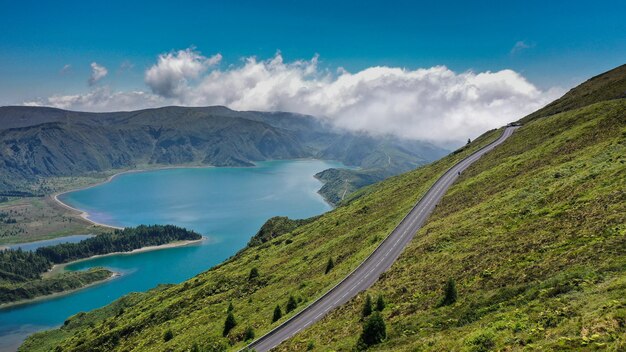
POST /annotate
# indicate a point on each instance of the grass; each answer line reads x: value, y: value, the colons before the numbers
x: 41, y: 218
x: 292, y: 264
x: 533, y: 235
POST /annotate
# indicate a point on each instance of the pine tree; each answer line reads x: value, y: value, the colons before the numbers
x: 168, y: 335
x: 469, y: 141
x: 291, y: 304
x: 278, y: 313
x: 380, y: 303
x: 374, y: 330
x: 330, y: 265
x: 249, y: 334
x: 449, y: 294
x: 230, y: 307
x: 229, y: 323
x: 254, y: 273
x: 367, y: 307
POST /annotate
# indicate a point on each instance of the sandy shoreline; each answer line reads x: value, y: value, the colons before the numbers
x: 57, y: 268
x: 85, y: 215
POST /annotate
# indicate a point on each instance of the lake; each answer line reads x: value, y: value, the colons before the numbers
x: 227, y: 205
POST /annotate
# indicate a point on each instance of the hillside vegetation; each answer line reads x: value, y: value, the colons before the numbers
x: 533, y: 235
x: 39, y: 143
x: 291, y: 264
x: 21, y: 272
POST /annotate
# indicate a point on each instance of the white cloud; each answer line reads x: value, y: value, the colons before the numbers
x: 433, y: 104
x: 169, y: 76
x: 66, y: 69
x: 98, y: 72
x: 520, y: 46
x: 101, y: 99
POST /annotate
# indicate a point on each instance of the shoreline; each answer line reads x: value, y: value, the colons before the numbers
x: 58, y: 268
x: 114, y: 275
x: 85, y: 215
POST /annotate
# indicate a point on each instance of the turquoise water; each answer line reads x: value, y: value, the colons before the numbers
x: 31, y: 246
x: 227, y: 205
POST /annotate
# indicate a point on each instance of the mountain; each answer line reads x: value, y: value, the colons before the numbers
x: 532, y: 234
x: 39, y: 142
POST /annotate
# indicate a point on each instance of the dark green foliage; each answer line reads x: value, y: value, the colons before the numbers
x: 11, y: 292
x: 278, y: 313
x: 380, y: 303
x: 367, y: 307
x: 291, y: 304
x: 329, y: 265
x: 125, y: 240
x: 168, y: 335
x: 254, y: 273
x: 469, y: 141
x: 19, y: 266
x: 374, y: 331
x: 20, y: 271
x: 449, y: 295
x: 248, y: 334
x: 229, y: 323
x: 230, y: 307
x: 275, y: 227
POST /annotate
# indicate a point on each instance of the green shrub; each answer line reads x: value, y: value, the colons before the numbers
x: 330, y: 265
x: 367, y: 307
x: 374, y: 331
x: 278, y: 313
x: 248, y: 334
x: 291, y: 304
x: 229, y: 323
x: 450, y: 294
x: 254, y: 273
x: 380, y: 303
x: 168, y: 335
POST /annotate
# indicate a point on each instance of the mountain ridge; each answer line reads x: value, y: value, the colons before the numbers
x: 48, y: 142
x: 532, y: 234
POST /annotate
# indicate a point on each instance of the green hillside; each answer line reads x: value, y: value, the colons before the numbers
x: 533, y: 235
x: 39, y: 143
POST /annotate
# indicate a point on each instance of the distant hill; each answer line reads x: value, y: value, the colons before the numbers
x: 40, y: 142
x: 533, y: 235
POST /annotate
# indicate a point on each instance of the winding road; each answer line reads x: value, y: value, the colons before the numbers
x: 366, y: 274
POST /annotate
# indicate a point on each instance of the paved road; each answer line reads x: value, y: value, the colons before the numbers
x: 378, y: 262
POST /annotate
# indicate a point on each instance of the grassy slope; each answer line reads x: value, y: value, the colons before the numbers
x: 607, y: 86
x: 534, y: 235
x: 290, y: 264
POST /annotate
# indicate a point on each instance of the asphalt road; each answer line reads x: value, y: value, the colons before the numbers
x: 366, y: 274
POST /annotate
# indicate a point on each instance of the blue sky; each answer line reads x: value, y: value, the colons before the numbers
x: 557, y: 43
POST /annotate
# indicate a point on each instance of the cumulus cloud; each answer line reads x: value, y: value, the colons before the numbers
x: 98, y: 72
x: 170, y: 75
x: 434, y: 104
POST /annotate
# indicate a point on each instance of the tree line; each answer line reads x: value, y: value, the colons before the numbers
x: 124, y: 240
x: 20, y: 271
